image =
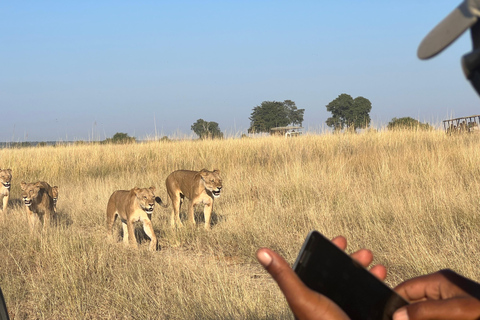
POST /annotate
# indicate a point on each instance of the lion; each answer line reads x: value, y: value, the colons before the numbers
x: 132, y: 206
x: 200, y: 187
x: 55, y: 197
x: 38, y: 200
x: 5, y: 179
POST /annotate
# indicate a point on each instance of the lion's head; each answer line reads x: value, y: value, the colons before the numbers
x: 212, y: 181
x: 30, y: 191
x: 55, y: 194
x: 145, y: 198
x: 6, y: 177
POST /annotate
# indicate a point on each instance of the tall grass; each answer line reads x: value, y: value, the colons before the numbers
x: 412, y: 197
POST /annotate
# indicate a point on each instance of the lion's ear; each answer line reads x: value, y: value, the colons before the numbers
x: 216, y: 171
x: 204, y: 172
x: 9, y: 171
x: 152, y: 188
x: 23, y: 185
x: 55, y: 187
x: 136, y: 190
x: 39, y: 186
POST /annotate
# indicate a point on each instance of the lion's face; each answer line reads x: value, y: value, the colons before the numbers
x: 29, y: 192
x: 146, y: 198
x: 212, y: 181
x: 6, y: 177
x: 55, y: 194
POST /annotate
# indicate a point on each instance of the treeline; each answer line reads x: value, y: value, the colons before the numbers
x: 348, y: 114
x: 118, y: 138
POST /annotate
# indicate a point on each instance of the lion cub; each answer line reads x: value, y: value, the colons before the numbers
x: 132, y: 206
x: 200, y: 187
x: 38, y: 201
x: 5, y: 179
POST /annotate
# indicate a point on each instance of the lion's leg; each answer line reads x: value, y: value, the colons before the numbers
x: 131, y: 234
x: 125, y: 232
x: 2, y: 215
x: 191, y: 211
x: 5, y: 203
x: 111, y: 218
x: 148, y: 228
x: 31, y: 219
x: 175, y: 217
x: 207, y: 211
x: 46, y: 221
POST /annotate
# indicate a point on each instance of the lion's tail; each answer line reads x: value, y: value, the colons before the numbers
x: 160, y: 202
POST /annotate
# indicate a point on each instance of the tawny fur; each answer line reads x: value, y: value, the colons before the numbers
x: 55, y: 197
x: 132, y: 206
x: 200, y: 187
x: 38, y: 200
x: 5, y: 180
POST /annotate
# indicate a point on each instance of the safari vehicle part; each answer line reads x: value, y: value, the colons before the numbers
x: 462, y: 125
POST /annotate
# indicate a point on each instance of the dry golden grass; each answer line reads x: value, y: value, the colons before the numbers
x: 411, y: 197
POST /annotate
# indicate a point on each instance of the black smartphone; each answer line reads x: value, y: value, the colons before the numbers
x: 325, y: 268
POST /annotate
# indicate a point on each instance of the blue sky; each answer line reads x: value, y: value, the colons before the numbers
x: 88, y: 69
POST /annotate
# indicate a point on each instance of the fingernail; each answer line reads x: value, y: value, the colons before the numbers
x: 264, y: 258
x: 400, y: 314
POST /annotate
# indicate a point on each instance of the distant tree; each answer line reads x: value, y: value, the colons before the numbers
x: 120, y: 138
x: 206, y: 129
x: 271, y: 114
x: 407, y: 123
x: 42, y: 144
x: 349, y: 113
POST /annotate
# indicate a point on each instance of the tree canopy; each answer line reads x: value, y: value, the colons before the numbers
x: 407, y: 123
x: 349, y: 113
x: 206, y: 129
x: 120, y: 138
x: 271, y: 114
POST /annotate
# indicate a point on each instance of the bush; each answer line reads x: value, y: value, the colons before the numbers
x: 120, y: 138
x: 407, y: 123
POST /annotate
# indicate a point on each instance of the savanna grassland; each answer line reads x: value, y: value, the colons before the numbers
x: 412, y: 197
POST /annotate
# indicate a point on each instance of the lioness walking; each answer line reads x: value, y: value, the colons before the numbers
x: 5, y: 180
x: 132, y: 206
x: 200, y: 187
x: 38, y: 201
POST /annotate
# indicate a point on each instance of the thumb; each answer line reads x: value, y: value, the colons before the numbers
x: 305, y: 303
x: 282, y: 273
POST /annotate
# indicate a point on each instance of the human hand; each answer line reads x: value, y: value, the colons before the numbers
x: 441, y: 295
x: 305, y: 303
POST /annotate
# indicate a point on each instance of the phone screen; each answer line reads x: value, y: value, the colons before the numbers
x: 325, y: 268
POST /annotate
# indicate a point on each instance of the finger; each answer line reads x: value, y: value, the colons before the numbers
x: 379, y: 271
x: 340, y: 242
x: 431, y: 286
x: 363, y: 256
x: 466, y: 308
